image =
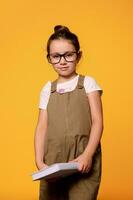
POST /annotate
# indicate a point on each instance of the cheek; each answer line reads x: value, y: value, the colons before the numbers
x: 56, y: 66
x: 73, y: 65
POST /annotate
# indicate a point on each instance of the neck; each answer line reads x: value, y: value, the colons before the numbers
x: 62, y: 79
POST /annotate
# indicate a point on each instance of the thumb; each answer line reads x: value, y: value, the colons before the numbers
x: 74, y: 160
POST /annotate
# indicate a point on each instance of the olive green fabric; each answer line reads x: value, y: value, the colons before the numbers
x: 69, y: 125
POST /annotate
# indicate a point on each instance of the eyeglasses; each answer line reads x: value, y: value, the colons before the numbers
x: 68, y: 56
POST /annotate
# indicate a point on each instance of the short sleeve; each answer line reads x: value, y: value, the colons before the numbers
x: 44, y: 95
x: 91, y: 85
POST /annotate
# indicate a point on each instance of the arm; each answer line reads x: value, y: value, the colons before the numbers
x: 39, y: 138
x: 97, y: 122
x: 85, y: 159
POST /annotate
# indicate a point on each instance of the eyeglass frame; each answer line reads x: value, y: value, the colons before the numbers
x: 61, y: 55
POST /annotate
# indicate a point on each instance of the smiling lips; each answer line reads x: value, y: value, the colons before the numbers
x: 63, y: 68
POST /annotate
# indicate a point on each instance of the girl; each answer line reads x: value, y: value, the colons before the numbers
x: 70, y: 122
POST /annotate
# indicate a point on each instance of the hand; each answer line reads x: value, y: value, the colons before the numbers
x: 41, y: 165
x: 85, y: 162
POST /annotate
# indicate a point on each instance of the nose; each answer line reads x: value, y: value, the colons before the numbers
x: 62, y: 60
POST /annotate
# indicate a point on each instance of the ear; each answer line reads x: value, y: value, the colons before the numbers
x: 79, y: 56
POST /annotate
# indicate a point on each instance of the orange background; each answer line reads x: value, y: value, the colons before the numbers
x: 105, y: 32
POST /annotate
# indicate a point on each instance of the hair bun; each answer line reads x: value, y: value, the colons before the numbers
x: 59, y: 28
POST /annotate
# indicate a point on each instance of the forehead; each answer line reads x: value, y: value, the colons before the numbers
x: 61, y: 46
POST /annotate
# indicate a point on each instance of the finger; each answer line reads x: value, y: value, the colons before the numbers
x: 80, y: 167
x: 88, y: 169
x: 85, y: 169
x: 73, y: 160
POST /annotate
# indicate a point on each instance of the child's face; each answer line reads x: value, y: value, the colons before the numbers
x: 61, y: 46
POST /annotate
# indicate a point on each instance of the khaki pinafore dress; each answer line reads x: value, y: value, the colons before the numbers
x: 67, y: 135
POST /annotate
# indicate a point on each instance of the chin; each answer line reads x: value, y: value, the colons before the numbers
x: 65, y: 73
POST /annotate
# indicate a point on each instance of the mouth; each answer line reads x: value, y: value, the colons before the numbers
x: 64, y: 68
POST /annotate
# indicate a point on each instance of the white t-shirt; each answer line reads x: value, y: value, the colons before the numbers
x: 90, y: 85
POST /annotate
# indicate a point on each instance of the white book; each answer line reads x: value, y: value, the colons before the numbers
x: 55, y: 171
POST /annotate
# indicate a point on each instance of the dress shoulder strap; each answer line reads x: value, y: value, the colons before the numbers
x: 80, y: 83
x: 53, y: 86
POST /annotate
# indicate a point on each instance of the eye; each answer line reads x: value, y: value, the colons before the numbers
x: 55, y: 56
x: 69, y: 54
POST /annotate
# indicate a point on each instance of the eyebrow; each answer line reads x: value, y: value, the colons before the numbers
x: 62, y: 53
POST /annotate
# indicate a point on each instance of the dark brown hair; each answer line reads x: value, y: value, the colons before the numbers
x: 62, y: 32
